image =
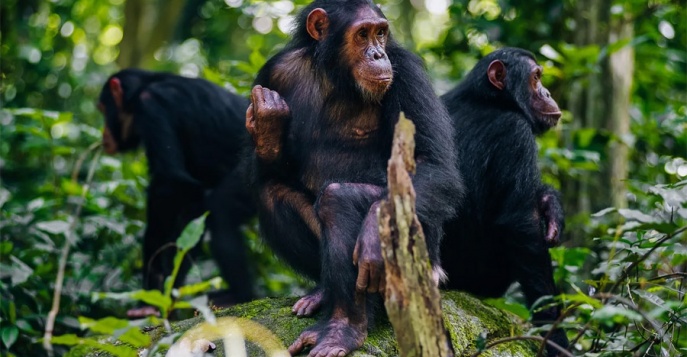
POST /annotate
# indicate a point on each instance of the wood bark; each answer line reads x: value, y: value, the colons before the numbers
x: 586, y: 102
x: 148, y: 25
x: 621, y: 70
x: 412, y: 298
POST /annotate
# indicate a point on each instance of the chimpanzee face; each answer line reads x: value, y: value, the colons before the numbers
x: 544, y: 108
x: 363, y: 50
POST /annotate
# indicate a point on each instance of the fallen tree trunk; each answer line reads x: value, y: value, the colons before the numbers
x: 412, y: 299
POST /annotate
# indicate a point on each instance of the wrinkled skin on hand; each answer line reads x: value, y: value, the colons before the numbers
x: 367, y: 255
x: 265, y: 120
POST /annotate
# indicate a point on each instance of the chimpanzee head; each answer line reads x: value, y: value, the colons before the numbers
x: 512, y: 78
x: 348, y: 39
x: 115, y: 104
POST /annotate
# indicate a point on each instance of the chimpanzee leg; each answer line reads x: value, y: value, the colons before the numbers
x: 289, y: 225
x: 162, y: 230
x: 535, y: 274
x: 167, y: 217
x: 342, y: 209
x: 230, y: 206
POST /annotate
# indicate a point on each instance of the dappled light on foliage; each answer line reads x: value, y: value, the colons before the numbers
x: 620, y: 165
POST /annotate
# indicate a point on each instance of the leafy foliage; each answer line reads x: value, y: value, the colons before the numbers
x: 623, y: 282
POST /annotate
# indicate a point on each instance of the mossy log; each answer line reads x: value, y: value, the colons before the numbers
x: 465, y: 317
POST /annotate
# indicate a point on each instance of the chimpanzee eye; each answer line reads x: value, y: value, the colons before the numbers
x: 381, y: 33
x: 362, y: 33
x: 537, y: 75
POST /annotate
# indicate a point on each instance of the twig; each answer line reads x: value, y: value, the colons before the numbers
x: 59, y: 280
x: 82, y: 158
x: 565, y: 314
x: 626, y: 271
x: 562, y: 350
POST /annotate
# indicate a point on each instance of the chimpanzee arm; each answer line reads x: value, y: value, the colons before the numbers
x: 266, y: 120
x: 552, y: 214
x: 437, y: 182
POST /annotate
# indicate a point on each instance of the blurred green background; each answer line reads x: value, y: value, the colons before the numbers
x: 617, y: 68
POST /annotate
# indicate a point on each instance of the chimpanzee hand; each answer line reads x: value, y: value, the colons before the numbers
x: 265, y: 121
x: 367, y: 255
x: 552, y: 215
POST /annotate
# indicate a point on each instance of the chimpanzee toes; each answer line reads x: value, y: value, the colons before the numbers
x: 309, y: 304
x: 306, y: 339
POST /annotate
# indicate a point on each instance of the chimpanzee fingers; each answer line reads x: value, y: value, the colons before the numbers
x: 355, y: 253
x: 552, y: 236
x: 363, y: 277
x: 250, y: 118
x: 375, y: 276
x: 256, y: 95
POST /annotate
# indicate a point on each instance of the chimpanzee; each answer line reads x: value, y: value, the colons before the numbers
x: 508, y: 217
x: 322, y: 117
x: 193, y: 134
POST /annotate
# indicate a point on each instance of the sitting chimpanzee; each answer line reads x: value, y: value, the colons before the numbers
x: 193, y: 134
x: 322, y: 134
x: 498, y: 237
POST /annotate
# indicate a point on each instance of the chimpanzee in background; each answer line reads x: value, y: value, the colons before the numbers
x: 498, y: 237
x: 193, y: 134
x: 322, y: 118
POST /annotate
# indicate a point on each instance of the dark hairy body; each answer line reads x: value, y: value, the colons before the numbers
x: 322, y: 118
x: 193, y: 134
x: 508, y: 217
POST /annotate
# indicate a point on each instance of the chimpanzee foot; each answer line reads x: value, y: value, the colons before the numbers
x: 142, y: 311
x: 309, y: 304
x: 336, y: 338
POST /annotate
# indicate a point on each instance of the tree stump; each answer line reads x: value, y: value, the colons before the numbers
x: 412, y: 299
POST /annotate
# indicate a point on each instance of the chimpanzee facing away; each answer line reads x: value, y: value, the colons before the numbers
x: 322, y: 117
x: 508, y: 217
x: 193, y: 133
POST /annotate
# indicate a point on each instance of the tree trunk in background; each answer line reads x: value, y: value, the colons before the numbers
x: 148, y: 24
x: 581, y: 194
x: 621, y: 69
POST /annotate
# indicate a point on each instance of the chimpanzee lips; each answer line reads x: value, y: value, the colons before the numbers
x: 551, y: 117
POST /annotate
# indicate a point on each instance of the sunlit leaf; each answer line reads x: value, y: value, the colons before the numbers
x: 9, y: 335
x: 53, y: 227
x: 192, y: 233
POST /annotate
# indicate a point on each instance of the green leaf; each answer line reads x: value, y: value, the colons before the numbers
x: 53, y: 227
x: 9, y: 335
x: 134, y: 337
x: 521, y: 310
x: 612, y: 314
x: 192, y: 233
x: 107, y: 325
x: 152, y: 297
x: 203, y: 286
x: 69, y: 340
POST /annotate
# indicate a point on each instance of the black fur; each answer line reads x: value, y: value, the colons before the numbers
x: 318, y: 160
x: 192, y: 132
x: 497, y: 238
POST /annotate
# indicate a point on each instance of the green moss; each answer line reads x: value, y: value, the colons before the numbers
x: 466, y: 319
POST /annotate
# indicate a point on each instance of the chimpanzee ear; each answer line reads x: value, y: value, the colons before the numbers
x: 497, y: 74
x: 317, y: 24
x: 117, y: 92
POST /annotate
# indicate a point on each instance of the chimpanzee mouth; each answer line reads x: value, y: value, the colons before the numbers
x: 551, y: 117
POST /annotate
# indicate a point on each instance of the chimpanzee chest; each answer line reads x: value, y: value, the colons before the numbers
x: 343, y: 151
